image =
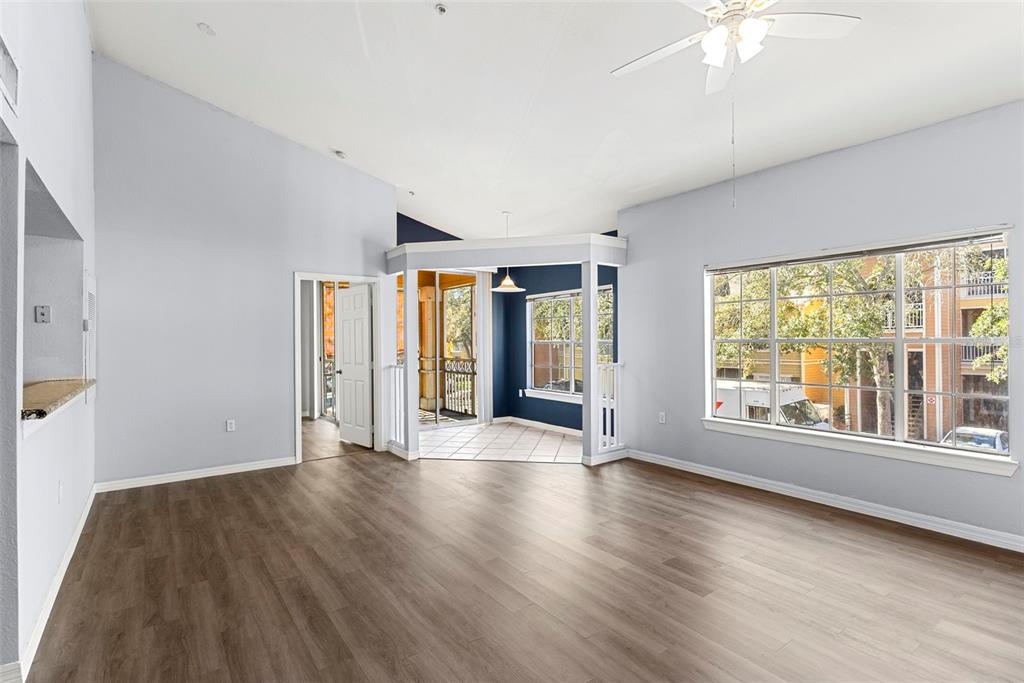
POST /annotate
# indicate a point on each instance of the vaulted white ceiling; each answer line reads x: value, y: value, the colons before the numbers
x: 496, y: 106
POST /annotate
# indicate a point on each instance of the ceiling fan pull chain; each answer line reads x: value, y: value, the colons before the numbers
x: 733, y: 151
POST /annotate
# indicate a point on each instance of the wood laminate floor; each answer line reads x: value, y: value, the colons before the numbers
x: 371, y: 568
x: 320, y: 440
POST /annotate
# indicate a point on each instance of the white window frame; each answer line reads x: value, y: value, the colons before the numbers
x: 571, y: 396
x: 895, y: 448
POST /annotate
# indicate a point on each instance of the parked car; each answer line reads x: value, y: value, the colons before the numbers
x: 980, y: 437
x: 794, y: 406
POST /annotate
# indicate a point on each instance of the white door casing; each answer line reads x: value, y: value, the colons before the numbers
x: 352, y: 357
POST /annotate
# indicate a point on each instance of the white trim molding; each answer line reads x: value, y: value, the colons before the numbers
x: 608, y: 456
x: 171, y: 477
x: 912, y: 452
x: 518, y: 251
x: 539, y: 425
x: 29, y: 653
x: 588, y: 238
x: 950, y: 235
x: 397, y: 449
x: 1000, y: 539
x: 560, y: 396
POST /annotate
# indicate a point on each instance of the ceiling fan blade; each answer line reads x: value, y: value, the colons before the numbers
x: 659, y: 54
x: 705, y: 6
x: 810, y: 25
x: 760, y: 5
x: 719, y: 78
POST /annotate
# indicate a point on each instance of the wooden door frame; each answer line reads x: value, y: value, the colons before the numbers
x: 375, y: 346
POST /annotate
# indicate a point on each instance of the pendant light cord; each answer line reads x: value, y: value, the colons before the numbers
x: 506, y: 237
x: 733, y: 142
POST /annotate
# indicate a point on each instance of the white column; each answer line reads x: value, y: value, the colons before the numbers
x: 386, y: 323
x: 412, y: 364
x: 591, y: 407
x: 484, y: 349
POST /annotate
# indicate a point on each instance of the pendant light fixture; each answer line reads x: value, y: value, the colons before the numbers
x: 507, y: 285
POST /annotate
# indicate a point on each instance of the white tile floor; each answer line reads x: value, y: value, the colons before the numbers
x: 501, y: 441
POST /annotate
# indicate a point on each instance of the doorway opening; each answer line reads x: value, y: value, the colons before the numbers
x: 335, y: 379
x: 447, y: 359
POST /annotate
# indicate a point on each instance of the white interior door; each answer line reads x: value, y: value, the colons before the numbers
x: 352, y: 385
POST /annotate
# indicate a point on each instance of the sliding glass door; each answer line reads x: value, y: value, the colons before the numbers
x: 457, y: 363
x: 446, y: 360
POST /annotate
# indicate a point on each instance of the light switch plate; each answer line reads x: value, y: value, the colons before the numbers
x: 42, y: 314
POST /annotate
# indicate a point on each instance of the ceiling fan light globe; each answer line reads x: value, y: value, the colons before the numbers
x: 715, y: 39
x: 747, y: 50
x: 753, y: 30
x: 716, y: 58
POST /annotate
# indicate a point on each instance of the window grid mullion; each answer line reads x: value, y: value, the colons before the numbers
x: 773, y: 351
x: 572, y: 347
x: 899, y: 361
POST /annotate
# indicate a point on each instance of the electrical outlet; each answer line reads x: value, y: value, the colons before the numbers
x: 661, y: 418
x: 229, y: 425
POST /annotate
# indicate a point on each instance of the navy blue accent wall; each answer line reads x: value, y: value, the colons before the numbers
x: 411, y: 230
x: 509, y: 333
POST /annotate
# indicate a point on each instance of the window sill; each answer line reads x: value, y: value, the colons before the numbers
x: 941, y: 457
x: 554, y: 396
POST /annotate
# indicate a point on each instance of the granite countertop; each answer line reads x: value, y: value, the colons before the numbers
x: 42, y: 398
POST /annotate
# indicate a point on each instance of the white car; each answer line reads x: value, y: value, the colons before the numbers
x: 980, y: 437
x: 794, y: 406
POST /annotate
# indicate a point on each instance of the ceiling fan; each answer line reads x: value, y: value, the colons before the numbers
x: 736, y: 28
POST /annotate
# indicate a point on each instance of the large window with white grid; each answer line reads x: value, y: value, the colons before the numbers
x: 556, y: 339
x: 899, y: 344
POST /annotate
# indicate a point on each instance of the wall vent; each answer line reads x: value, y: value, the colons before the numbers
x: 8, y: 76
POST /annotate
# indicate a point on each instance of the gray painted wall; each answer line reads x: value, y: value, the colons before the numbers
x: 958, y: 174
x: 53, y: 277
x: 203, y: 219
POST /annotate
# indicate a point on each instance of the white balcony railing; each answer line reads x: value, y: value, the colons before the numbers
x: 980, y: 284
x: 913, y: 317
x: 394, y: 378
x: 968, y: 354
x: 609, y: 422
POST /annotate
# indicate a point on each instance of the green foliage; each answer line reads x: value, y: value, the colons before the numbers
x: 458, y: 322
x: 994, y: 321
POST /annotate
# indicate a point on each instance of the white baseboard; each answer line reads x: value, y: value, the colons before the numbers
x: 1000, y: 539
x: 602, y: 458
x: 29, y: 653
x: 120, y: 484
x: 539, y: 425
x: 397, y: 449
x: 10, y: 673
